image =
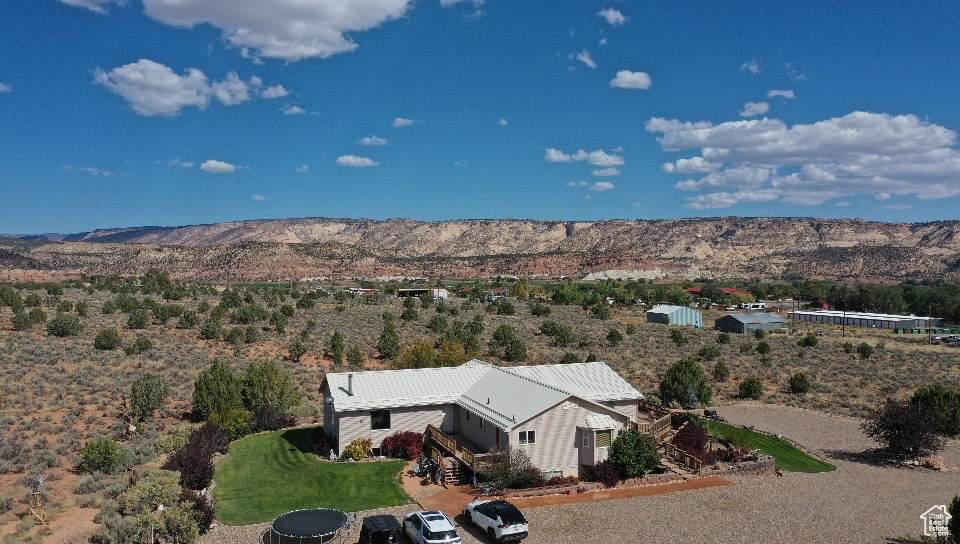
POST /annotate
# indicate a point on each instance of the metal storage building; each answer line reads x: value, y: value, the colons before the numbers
x: 860, y: 319
x: 750, y: 322
x: 675, y: 315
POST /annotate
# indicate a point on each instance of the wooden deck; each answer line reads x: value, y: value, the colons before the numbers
x: 458, y: 446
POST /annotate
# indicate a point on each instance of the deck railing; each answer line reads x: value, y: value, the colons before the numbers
x: 661, y: 418
x: 684, y: 458
x: 466, y: 456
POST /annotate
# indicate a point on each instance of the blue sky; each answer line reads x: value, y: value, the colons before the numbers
x: 171, y: 112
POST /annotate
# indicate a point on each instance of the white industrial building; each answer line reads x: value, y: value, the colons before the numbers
x: 862, y: 319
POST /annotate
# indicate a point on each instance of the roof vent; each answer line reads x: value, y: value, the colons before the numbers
x: 488, y: 400
x: 350, y: 384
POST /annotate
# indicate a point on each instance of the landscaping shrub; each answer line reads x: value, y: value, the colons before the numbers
x: 721, y: 372
x: 194, y: 462
x: 212, y: 329
x: 759, y: 334
x: 709, y: 352
x: 216, y: 390
x: 848, y: 348
x: 321, y: 442
x: 389, y: 343
x: 21, y: 321
x: 215, y: 438
x: 634, y: 453
x: 864, y: 350
x: 511, y: 469
x: 355, y: 357
x: 563, y: 480
x: 763, y: 348
x: 751, y: 388
x: 570, y: 358
x: 147, y: 395
x: 139, y: 319
x: 808, y: 341
x: 678, y: 338
x: 799, y: 383
x: 102, y: 455
x: 601, y: 311
x: 297, y: 350
x: 682, y: 378
x: 561, y: 335
x: 692, y: 439
x: 403, y: 445
x: 236, y: 421
x: 201, y: 506
x: 359, y: 449
x: 604, y: 472
x: 904, y: 430
x: 64, y: 325
x: 539, y: 309
x: 943, y: 403
x: 723, y: 338
x: 141, y: 345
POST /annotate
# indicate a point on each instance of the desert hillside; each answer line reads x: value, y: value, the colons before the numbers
x: 319, y: 247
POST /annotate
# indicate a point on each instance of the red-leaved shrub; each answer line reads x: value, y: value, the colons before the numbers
x: 563, y: 480
x: 403, y: 445
x: 604, y: 472
x: 692, y: 439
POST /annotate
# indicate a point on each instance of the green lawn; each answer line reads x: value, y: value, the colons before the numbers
x: 788, y: 457
x: 272, y: 473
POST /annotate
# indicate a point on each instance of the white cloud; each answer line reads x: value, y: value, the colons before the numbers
x: 602, y: 42
x: 809, y: 164
x: 784, y: 94
x: 631, y: 80
x: 750, y: 66
x: 294, y: 110
x: 87, y: 170
x: 303, y: 169
x: 178, y: 162
x: 696, y: 165
x: 259, y: 198
x: 231, y: 91
x: 4, y: 88
x: 97, y: 6
x: 276, y: 91
x: 842, y: 204
x: 355, y: 161
x: 602, y: 186
x: 401, y: 122
x: 374, y: 140
x: 503, y: 122
x: 596, y: 158
x: 286, y: 29
x: 218, y: 167
x: 584, y: 57
x: 614, y: 17
x: 753, y: 109
x: 449, y: 3
x: 555, y: 155
x: 571, y: 184
x: 612, y: 171
x: 897, y: 207
x: 154, y: 89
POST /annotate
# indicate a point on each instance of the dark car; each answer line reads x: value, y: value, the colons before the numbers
x: 380, y: 530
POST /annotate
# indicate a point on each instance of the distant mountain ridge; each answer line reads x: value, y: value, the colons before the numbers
x: 697, y: 247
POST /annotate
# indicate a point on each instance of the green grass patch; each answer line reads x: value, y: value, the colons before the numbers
x: 268, y: 474
x: 788, y: 456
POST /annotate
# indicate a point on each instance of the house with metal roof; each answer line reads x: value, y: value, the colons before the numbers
x: 750, y: 322
x: 562, y: 416
x: 669, y: 314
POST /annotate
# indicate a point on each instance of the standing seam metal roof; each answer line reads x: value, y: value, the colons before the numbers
x: 758, y: 318
x: 504, y: 396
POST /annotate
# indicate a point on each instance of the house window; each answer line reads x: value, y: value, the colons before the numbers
x: 586, y: 439
x: 603, y: 438
x: 547, y: 474
x: 528, y: 437
x: 379, y: 419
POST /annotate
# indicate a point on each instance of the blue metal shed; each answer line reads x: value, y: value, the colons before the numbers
x: 675, y: 315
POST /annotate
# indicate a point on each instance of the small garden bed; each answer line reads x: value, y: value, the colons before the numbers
x: 788, y: 457
x: 271, y: 473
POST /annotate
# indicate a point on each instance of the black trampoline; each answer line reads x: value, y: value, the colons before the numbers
x: 309, y: 526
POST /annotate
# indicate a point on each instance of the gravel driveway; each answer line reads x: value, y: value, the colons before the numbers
x: 859, y: 502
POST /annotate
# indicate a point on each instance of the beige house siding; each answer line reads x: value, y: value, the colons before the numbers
x: 356, y: 424
x: 485, y: 438
x: 628, y: 407
x: 558, y: 438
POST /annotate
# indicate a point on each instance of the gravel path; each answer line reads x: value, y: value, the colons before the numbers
x: 859, y: 502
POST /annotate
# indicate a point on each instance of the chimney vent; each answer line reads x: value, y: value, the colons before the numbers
x: 350, y: 384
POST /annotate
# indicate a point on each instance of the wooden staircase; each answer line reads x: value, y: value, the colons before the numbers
x: 453, y: 472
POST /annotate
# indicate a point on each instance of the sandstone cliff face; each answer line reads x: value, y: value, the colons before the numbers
x: 714, y: 247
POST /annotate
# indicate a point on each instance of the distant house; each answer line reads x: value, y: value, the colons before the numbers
x: 675, y: 315
x: 562, y: 416
x: 821, y: 305
x: 750, y: 322
x: 434, y: 292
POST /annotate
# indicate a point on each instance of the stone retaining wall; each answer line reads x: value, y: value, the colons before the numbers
x: 763, y: 467
x: 649, y: 479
